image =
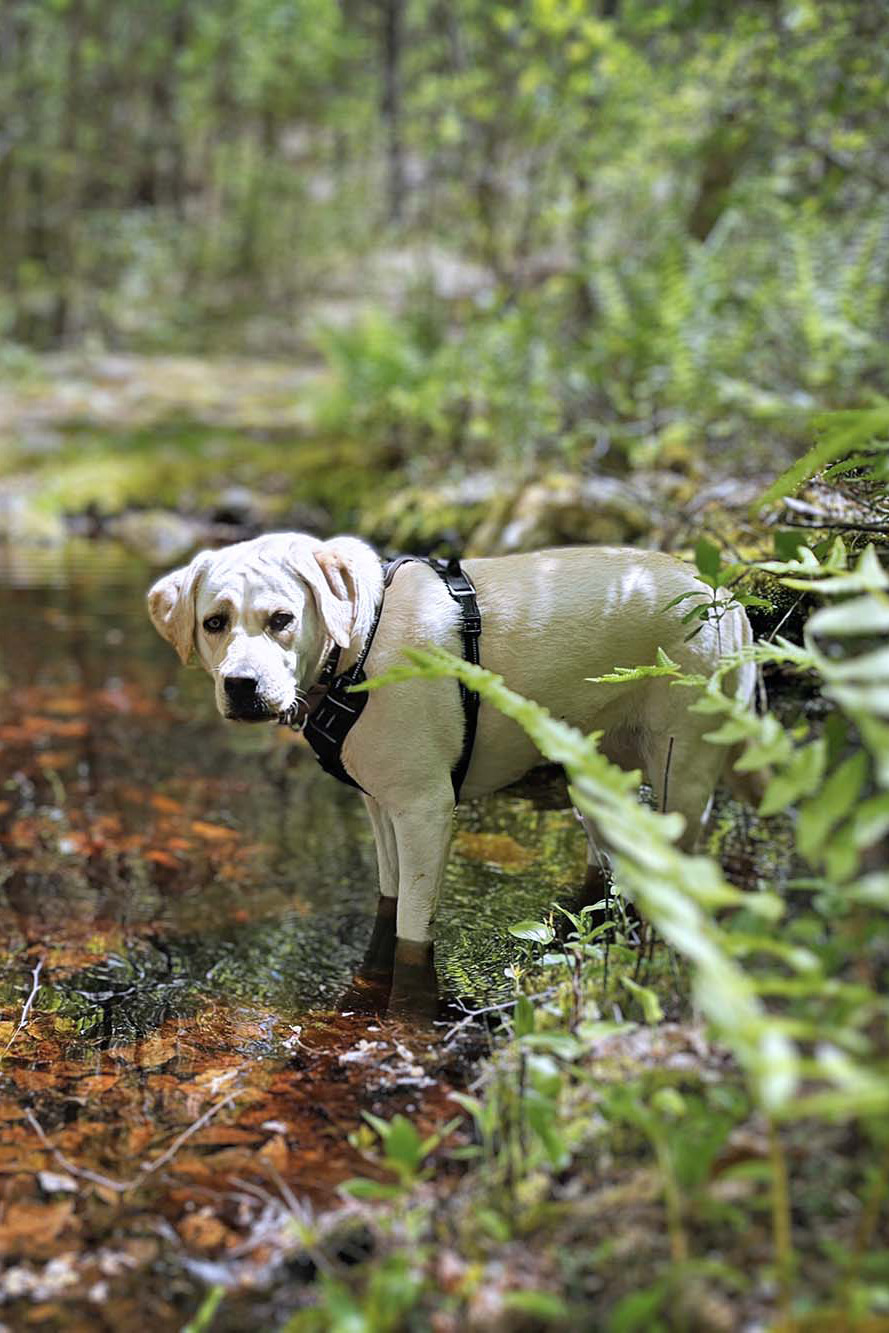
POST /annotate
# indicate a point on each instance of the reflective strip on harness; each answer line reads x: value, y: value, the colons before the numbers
x: 339, y: 710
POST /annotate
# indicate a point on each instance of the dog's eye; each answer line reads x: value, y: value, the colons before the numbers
x: 215, y: 624
x: 280, y: 620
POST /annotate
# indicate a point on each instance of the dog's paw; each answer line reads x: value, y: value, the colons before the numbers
x: 367, y: 993
x: 415, y: 992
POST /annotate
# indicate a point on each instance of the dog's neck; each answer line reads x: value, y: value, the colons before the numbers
x: 369, y: 590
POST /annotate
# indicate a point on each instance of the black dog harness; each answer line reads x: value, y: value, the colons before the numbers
x: 334, y: 717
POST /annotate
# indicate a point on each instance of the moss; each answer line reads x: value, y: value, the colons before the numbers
x: 186, y: 466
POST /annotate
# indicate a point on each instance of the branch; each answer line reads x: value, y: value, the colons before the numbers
x: 27, y: 1009
x: 121, y: 1186
x: 843, y: 527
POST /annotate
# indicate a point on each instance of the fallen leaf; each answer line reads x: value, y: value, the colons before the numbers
x: 96, y: 1084
x: 163, y: 858
x: 166, y: 803
x: 32, y: 1080
x: 204, y: 1231
x: 155, y: 1051
x: 212, y: 832
x: 226, y: 1134
x: 15, y: 1158
x: 276, y: 1152
x: 55, y: 758
x: 31, y: 1228
x: 494, y: 849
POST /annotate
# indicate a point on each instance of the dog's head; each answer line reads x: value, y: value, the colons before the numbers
x: 262, y: 615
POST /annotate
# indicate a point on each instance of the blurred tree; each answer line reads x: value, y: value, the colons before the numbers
x: 664, y: 214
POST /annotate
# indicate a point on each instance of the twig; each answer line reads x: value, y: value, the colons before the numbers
x: 667, y: 775
x: 148, y: 1167
x: 493, y: 1009
x: 786, y: 616
x: 83, y: 1171
x: 27, y: 1008
x: 121, y: 1186
x: 298, y: 1209
x: 818, y: 525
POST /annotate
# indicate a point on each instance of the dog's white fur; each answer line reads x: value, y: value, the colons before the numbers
x: 550, y: 620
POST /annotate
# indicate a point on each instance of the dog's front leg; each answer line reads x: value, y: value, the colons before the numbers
x: 370, y: 985
x: 422, y: 836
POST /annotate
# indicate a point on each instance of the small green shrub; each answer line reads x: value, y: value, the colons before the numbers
x: 801, y: 1005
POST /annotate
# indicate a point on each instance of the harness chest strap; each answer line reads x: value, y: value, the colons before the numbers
x: 331, y: 721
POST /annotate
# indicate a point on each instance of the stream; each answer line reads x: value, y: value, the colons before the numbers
x: 182, y: 902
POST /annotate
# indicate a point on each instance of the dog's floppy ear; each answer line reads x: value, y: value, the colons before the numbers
x: 171, y: 605
x: 333, y: 573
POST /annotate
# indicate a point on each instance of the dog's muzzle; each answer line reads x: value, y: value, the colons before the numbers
x: 244, y: 702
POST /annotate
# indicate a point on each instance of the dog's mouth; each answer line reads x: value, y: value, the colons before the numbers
x: 251, y: 713
x: 296, y: 715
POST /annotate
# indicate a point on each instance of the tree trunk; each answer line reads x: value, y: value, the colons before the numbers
x: 392, y: 41
x: 66, y: 254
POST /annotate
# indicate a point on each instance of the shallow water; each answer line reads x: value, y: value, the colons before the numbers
x: 142, y: 827
x: 194, y: 896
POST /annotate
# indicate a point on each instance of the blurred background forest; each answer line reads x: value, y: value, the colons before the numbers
x: 618, y: 233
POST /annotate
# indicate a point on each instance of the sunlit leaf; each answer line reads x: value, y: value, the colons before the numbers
x: 360, y: 1188
x: 823, y: 811
x: 537, y: 932
x: 708, y: 557
x: 651, y: 1005
x: 799, y: 777
x: 545, y: 1305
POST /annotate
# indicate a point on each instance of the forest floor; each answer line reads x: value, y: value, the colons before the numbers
x: 163, y: 452
x: 182, y: 1101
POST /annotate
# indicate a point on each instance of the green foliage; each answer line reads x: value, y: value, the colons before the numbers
x: 404, y: 1154
x: 493, y: 385
x: 843, y: 435
x: 711, y: 608
x: 681, y: 352
x: 648, y: 234
x: 391, y: 1293
x: 801, y: 1007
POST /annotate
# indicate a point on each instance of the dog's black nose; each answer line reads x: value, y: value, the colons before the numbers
x: 241, y: 690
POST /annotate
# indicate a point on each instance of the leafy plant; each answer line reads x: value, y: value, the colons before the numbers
x: 404, y: 1154
x: 713, y: 606
x: 804, y: 1030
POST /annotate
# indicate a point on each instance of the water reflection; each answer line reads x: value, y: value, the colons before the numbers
x: 162, y: 854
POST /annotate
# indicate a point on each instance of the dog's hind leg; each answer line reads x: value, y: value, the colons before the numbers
x: 598, y: 887
x: 597, y: 882
x: 683, y: 770
x: 620, y: 747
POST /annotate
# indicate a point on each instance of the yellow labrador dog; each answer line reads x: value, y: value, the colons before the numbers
x: 263, y: 617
